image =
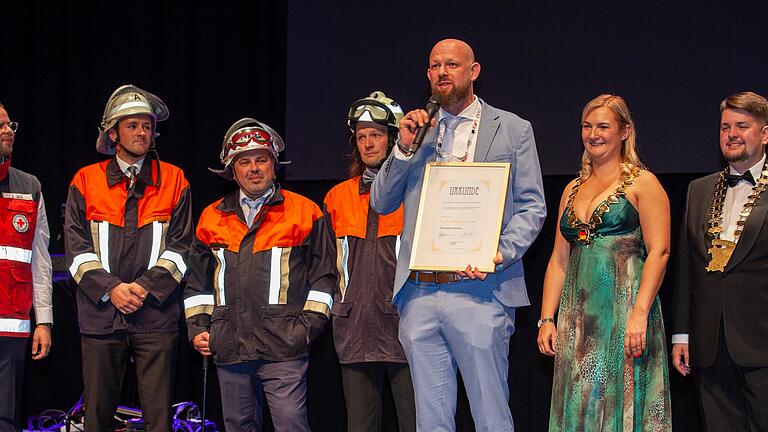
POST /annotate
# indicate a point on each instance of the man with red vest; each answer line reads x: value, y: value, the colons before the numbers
x: 364, y: 319
x: 260, y: 286
x: 128, y: 227
x: 25, y: 275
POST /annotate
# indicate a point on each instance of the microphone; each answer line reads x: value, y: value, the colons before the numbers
x: 433, y: 105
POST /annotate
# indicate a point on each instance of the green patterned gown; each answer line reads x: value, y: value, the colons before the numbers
x: 596, y: 387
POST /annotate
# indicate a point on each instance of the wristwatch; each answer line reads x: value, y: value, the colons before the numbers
x: 543, y: 321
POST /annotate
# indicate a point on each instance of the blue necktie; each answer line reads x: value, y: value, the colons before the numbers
x: 253, y: 208
x: 448, y: 137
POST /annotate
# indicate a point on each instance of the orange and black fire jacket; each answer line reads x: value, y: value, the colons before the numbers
x: 365, y: 321
x: 264, y: 292
x: 119, y: 234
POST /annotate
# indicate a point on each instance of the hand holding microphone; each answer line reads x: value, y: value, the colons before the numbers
x: 415, y: 124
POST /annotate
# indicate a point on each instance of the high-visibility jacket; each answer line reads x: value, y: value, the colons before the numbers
x: 365, y: 322
x: 264, y: 292
x: 19, y: 211
x: 119, y: 234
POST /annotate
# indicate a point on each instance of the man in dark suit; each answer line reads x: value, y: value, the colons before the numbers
x: 721, y: 297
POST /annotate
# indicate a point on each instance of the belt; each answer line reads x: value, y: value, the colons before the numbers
x: 434, y: 277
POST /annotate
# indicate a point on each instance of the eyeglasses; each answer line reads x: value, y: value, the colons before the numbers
x: 13, y: 126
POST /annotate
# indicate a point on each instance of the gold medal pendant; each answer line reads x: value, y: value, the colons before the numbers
x: 720, y: 252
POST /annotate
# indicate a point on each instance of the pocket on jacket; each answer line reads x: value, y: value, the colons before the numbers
x: 23, y: 206
x: 20, y: 290
x: 340, y: 309
x: 220, y: 340
x: 500, y: 157
x: 388, y: 318
x: 386, y: 307
x: 285, y: 332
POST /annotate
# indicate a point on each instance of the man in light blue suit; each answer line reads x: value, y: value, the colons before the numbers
x: 462, y: 319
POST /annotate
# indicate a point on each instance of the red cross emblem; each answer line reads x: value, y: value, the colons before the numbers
x: 20, y: 223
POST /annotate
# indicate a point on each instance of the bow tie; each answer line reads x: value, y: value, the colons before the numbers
x: 734, y: 179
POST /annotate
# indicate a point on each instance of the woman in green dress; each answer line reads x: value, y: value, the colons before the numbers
x: 609, y: 258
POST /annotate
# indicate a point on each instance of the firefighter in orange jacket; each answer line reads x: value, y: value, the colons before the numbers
x: 261, y: 279
x: 128, y: 226
x: 364, y: 319
x: 25, y: 275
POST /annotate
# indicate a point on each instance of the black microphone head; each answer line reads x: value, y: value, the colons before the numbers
x: 433, y: 104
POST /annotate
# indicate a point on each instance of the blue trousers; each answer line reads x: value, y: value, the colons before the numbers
x: 457, y: 325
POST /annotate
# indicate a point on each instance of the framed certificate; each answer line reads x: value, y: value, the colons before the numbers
x: 460, y: 214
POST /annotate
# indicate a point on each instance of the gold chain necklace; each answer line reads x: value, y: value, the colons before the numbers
x: 586, y: 231
x: 721, y: 250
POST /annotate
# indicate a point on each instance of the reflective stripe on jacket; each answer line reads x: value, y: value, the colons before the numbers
x: 365, y: 322
x: 262, y: 292
x: 18, y: 219
x: 116, y: 235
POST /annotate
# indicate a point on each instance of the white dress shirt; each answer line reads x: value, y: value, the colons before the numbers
x: 125, y: 165
x: 42, y: 290
x: 246, y: 208
x: 461, y: 135
x: 463, y: 143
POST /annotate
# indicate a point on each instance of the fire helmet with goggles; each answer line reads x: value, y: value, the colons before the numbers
x: 244, y: 135
x: 376, y: 108
x: 125, y: 101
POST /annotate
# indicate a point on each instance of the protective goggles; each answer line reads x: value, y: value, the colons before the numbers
x: 376, y: 110
x: 249, y: 136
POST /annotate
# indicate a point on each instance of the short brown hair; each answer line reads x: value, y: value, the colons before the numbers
x: 754, y: 104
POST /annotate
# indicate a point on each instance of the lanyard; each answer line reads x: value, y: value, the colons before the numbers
x: 470, y: 141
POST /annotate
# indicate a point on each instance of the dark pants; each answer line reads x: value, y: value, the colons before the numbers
x: 244, y: 385
x: 104, y: 362
x: 363, y: 388
x: 732, y: 397
x: 12, y: 354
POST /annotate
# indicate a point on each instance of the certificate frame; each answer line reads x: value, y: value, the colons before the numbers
x: 460, y: 214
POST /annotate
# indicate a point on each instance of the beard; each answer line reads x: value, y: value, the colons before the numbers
x: 6, y: 149
x: 738, y: 156
x: 458, y: 93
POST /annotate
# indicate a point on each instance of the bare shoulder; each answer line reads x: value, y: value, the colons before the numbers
x: 569, y: 187
x: 567, y: 191
x: 647, y: 185
x: 647, y: 180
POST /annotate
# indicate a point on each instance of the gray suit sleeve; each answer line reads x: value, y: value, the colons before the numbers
x: 525, y: 205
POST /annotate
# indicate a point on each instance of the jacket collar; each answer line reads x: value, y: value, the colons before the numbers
x: 489, y: 125
x: 115, y: 175
x: 231, y: 203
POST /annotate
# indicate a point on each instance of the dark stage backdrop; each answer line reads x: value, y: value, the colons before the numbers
x: 672, y: 61
x: 298, y: 65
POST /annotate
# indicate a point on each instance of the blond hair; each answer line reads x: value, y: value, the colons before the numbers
x: 630, y: 161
